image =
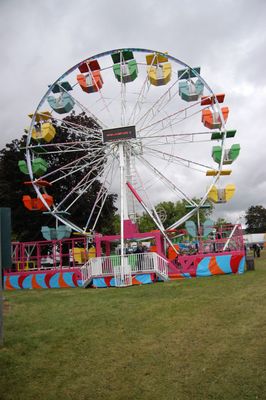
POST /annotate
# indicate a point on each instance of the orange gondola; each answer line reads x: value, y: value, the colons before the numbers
x: 211, y: 118
x: 36, y: 204
x: 92, y: 82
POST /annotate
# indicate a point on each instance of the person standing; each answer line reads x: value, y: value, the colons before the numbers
x: 256, y: 250
x: 138, y: 252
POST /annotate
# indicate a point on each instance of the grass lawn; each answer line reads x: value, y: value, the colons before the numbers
x: 199, y: 338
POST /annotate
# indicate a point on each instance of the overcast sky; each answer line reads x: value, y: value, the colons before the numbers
x: 42, y: 39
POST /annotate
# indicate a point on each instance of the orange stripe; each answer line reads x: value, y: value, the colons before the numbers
x: 34, y: 283
x: 61, y: 281
x: 214, y: 267
x: 135, y: 281
x: 8, y: 285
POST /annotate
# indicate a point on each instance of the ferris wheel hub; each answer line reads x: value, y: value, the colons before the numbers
x: 118, y: 134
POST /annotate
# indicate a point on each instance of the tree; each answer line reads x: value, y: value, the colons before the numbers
x: 174, y: 211
x: 221, y: 221
x: 27, y: 224
x: 116, y: 224
x: 256, y: 219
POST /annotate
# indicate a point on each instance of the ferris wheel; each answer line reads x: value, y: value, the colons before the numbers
x: 153, y: 121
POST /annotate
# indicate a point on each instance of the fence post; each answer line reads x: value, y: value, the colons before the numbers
x: 155, y: 261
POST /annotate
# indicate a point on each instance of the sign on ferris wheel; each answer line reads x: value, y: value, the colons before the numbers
x: 115, y: 134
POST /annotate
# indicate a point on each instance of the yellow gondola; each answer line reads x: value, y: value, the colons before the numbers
x: 159, y: 69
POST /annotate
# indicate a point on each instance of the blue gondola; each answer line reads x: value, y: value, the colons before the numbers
x: 64, y: 103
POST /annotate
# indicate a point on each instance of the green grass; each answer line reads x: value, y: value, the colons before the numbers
x: 194, y: 339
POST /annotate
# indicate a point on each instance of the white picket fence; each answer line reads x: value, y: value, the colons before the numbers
x: 122, y: 269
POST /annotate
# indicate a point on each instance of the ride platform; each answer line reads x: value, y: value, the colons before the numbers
x: 70, y: 263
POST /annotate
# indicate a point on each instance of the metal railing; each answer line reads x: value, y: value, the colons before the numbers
x: 138, y: 263
x: 49, y: 254
x: 123, y: 274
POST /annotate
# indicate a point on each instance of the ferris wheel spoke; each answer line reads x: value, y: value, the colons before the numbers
x: 105, y: 104
x: 137, y: 108
x: 102, y: 203
x: 80, y: 147
x: 170, y: 157
x: 95, y: 163
x: 100, y: 210
x: 169, y: 120
x: 170, y: 135
x: 65, y: 221
x: 175, y: 189
x: 66, y: 166
x: 59, y: 148
x: 85, y: 109
x: 179, y: 192
x: 63, y: 145
x: 73, y: 166
x: 89, y: 177
x: 178, y: 162
x: 183, y: 219
x: 83, y: 187
x: 94, y: 133
x: 80, y: 188
x: 177, y: 142
x: 197, y: 207
x: 65, y: 151
x: 145, y: 191
x: 72, y: 172
x: 175, y: 139
x: 172, y: 123
x: 101, y: 195
x: 159, y: 104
